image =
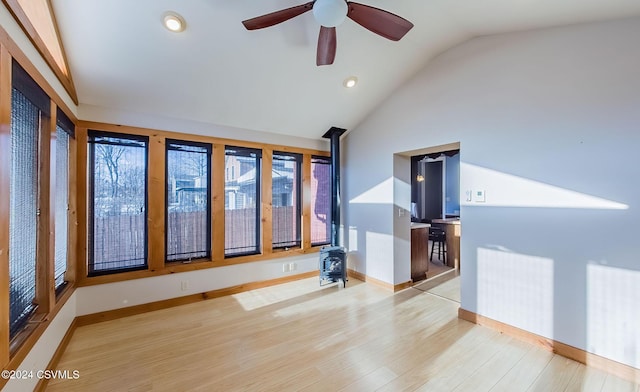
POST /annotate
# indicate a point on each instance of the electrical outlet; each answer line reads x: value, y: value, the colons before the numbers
x: 292, y: 266
x: 184, y: 285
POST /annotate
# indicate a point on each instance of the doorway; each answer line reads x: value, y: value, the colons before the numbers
x: 435, y: 208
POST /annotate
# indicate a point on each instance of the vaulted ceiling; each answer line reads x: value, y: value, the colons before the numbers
x: 122, y: 58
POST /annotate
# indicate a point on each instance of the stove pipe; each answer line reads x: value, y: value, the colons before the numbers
x: 334, y: 134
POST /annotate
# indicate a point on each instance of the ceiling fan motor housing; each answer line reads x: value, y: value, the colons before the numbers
x: 330, y: 13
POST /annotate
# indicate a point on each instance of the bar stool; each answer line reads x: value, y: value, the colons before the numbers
x: 438, y: 238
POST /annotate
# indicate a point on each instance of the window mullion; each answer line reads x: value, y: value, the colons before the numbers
x: 45, y: 291
x: 306, y: 201
x: 156, y: 202
x: 267, y: 202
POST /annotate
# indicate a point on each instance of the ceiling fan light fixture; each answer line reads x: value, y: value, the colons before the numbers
x: 330, y: 13
x: 349, y: 82
x: 174, y: 22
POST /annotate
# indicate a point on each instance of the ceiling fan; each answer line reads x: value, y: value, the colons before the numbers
x: 330, y: 13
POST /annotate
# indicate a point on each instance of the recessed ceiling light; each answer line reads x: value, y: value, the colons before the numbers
x: 350, y: 81
x: 174, y: 22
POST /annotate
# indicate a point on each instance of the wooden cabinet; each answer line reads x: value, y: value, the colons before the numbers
x: 419, y: 253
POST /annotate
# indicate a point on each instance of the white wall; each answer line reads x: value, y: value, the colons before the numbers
x: 548, y: 125
x: 93, y: 299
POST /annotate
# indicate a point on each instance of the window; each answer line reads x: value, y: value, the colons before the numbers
x: 118, y: 202
x: 188, y: 200
x: 242, y: 201
x: 30, y: 108
x: 60, y: 194
x: 286, y: 211
x: 320, y: 200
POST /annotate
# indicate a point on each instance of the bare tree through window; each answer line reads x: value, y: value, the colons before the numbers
x: 118, y: 190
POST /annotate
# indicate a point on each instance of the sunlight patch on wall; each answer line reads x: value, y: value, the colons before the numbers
x: 402, y: 194
x: 379, y: 194
x: 613, y: 313
x: 506, y: 190
x: 390, y: 191
x: 516, y: 289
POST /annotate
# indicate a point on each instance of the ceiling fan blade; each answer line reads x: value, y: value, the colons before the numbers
x: 267, y: 20
x: 379, y: 21
x: 326, y: 46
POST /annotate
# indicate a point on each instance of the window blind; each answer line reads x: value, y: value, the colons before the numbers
x: 286, y: 200
x: 118, y: 202
x: 320, y: 200
x: 188, y: 223
x: 242, y: 201
x: 29, y: 111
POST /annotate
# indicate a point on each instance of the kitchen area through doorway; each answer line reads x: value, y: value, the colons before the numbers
x: 435, y: 212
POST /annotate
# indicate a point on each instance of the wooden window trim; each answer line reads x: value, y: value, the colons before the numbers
x: 157, y: 149
x: 17, y: 54
x: 27, y: 26
x: 13, y: 352
x: 5, y: 164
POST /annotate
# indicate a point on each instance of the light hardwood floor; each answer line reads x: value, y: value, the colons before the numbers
x: 301, y: 337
